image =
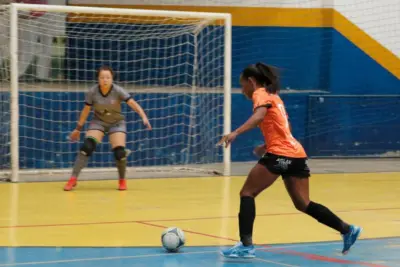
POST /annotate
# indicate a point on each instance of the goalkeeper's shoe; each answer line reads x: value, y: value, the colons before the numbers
x: 70, y: 184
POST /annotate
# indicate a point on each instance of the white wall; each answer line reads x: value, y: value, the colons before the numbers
x: 379, y: 18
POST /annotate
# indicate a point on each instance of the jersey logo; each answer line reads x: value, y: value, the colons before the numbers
x: 104, y: 112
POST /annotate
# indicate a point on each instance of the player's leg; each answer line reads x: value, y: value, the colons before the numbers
x: 258, y: 180
x: 118, y: 142
x: 298, y: 189
x: 93, y: 136
x: 297, y: 185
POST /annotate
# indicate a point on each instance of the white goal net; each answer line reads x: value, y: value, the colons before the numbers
x: 176, y: 65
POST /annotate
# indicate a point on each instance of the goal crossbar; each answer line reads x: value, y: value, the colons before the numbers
x: 121, y: 11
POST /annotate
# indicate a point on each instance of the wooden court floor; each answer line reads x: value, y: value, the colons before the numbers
x: 96, y: 215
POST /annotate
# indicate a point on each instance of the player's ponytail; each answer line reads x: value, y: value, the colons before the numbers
x: 270, y: 77
x: 265, y: 75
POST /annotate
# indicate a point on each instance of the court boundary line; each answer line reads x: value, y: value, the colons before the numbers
x: 134, y: 257
x: 273, y: 262
x: 101, y: 259
x: 183, y: 219
x: 271, y: 246
x: 262, y: 248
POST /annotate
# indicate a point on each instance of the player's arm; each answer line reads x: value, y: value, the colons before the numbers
x: 252, y: 122
x: 74, y: 136
x: 138, y: 109
x: 83, y: 117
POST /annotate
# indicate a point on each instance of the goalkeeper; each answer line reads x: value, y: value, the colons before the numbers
x: 106, y: 98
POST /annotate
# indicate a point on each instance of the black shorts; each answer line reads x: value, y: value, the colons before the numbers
x: 285, y: 166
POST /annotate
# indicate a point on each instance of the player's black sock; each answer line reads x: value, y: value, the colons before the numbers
x: 80, y: 163
x: 327, y: 217
x: 247, y: 215
x: 121, y: 165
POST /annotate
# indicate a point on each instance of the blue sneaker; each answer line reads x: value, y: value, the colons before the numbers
x: 350, y: 238
x: 239, y: 251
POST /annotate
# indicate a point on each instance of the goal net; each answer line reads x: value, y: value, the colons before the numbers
x: 176, y: 65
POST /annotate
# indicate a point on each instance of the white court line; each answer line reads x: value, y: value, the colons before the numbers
x: 128, y: 257
x: 132, y: 257
x: 329, y: 243
x: 272, y: 247
x: 277, y: 263
x: 265, y: 249
x: 103, y: 259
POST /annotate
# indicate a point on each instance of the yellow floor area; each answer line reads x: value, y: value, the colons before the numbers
x: 96, y: 214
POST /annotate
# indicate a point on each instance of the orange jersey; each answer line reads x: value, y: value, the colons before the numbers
x: 275, y: 126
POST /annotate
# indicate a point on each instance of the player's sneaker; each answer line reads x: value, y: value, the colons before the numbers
x: 350, y: 238
x: 239, y: 251
x: 122, y: 184
x: 70, y: 184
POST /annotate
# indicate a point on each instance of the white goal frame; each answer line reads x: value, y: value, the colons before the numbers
x: 14, y: 86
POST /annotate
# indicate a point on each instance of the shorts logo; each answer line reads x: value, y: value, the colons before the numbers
x: 283, y: 164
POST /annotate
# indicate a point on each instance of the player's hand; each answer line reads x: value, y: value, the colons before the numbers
x: 75, y: 135
x: 259, y: 151
x: 227, y: 139
x: 147, y: 124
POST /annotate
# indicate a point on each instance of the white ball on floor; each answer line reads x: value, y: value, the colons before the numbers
x: 172, y: 239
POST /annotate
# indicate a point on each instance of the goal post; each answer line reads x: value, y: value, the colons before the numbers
x: 14, y: 108
x: 176, y: 64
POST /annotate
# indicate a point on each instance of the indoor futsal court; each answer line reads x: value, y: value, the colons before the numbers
x: 197, y: 71
x: 96, y: 225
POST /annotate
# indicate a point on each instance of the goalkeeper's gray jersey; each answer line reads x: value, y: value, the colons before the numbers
x: 107, y: 108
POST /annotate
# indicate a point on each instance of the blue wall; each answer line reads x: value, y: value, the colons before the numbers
x: 354, y: 72
x: 309, y: 58
x: 353, y: 126
x: 302, y: 54
x: 325, y: 125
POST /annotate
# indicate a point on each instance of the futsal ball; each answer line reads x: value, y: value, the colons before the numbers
x: 172, y: 239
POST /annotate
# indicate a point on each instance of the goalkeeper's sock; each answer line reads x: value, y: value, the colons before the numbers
x: 80, y: 163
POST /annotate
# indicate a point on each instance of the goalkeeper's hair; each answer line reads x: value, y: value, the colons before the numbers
x: 264, y: 75
x: 104, y: 68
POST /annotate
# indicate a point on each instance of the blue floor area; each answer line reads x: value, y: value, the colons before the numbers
x: 373, y: 253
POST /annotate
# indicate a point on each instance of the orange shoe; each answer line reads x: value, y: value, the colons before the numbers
x: 70, y: 184
x: 122, y: 184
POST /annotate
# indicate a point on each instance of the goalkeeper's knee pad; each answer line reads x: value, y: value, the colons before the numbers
x: 119, y: 153
x: 88, y: 147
